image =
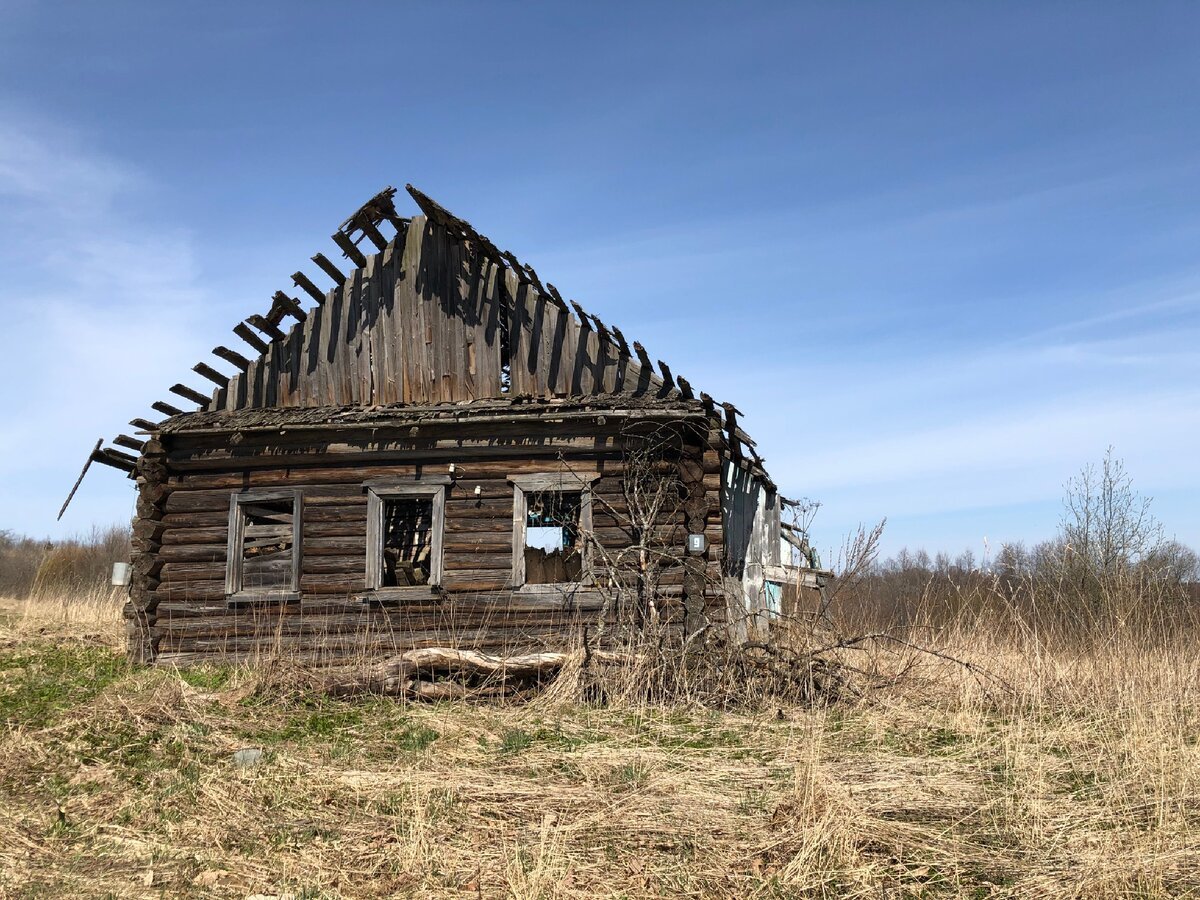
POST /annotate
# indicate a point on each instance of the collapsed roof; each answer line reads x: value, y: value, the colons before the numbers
x: 434, y: 313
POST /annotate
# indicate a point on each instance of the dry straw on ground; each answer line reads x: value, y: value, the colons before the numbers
x: 1083, y: 781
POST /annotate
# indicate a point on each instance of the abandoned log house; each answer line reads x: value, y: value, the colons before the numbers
x: 437, y: 450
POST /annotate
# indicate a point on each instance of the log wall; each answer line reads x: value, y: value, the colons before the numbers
x: 179, y: 612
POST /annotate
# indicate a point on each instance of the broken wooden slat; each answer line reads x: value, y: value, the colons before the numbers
x: 517, y: 268
x: 143, y: 424
x: 115, y: 458
x: 668, y: 379
x: 166, y: 408
x: 124, y: 440
x: 78, y: 481
x: 347, y: 247
x: 330, y: 269
x: 234, y: 359
x: 621, y: 342
x: 266, y: 327
x: 283, y: 305
x: 556, y: 296
x: 211, y: 374
x: 685, y: 388
x: 243, y: 331
x: 373, y: 234
x: 300, y: 280
x: 182, y: 390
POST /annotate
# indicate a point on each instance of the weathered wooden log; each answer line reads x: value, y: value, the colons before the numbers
x: 231, y: 357
x: 165, y: 408
x: 187, y: 393
x: 397, y: 674
x: 211, y: 374
x: 330, y: 269
x: 243, y: 331
x: 302, y: 281
x: 347, y: 247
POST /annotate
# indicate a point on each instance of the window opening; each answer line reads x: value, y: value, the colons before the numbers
x: 407, y: 541
x: 264, y: 544
x: 553, y: 554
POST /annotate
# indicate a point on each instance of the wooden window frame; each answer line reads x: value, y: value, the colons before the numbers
x: 551, y: 481
x: 378, y: 491
x: 234, y: 593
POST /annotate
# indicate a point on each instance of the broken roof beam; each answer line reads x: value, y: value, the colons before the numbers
x: 131, y: 443
x: 381, y: 207
x: 283, y: 305
x: 243, y: 331
x: 143, y: 424
x: 335, y: 274
x: 78, y: 481
x: 211, y: 374
x: 115, y: 458
x: 166, y: 408
x: 350, y: 251
x: 302, y: 281
x: 685, y: 388
x: 234, y: 359
x: 668, y: 379
x: 266, y: 327
x: 182, y: 390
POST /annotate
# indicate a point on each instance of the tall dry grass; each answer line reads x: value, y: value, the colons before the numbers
x: 1072, y: 770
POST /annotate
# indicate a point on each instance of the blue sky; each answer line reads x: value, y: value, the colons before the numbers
x: 941, y: 255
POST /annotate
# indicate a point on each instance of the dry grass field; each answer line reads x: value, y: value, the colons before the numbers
x: 1083, y: 781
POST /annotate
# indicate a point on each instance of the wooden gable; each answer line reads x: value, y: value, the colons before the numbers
x: 434, y: 317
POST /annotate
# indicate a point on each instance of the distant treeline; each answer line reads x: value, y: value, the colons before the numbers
x: 31, y: 567
x: 1110, y: 566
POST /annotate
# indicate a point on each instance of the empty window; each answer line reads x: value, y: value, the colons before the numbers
x: 407, y: 541
x: 552, y: 551
x: 264, y: 544
x: 404, y: 533
x: 552, y: 515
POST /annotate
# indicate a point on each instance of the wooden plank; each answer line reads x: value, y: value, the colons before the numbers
x: 302, y: 281
x: 266, y: 327
x: 282, y: 305
x: 243, y: 331
x: 87, y: 463
x: 124, y: 440
x: 182, y: 390
x: 348, y: 249
x: 143, y: 424
x: 330, y: 269
x: 231, y: 357
x: 211, y: 374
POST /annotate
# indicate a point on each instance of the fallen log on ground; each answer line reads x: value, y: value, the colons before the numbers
x: 421, y: 673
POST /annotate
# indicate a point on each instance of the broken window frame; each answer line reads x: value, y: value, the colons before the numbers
x: 563, y: 482
x: 378, y: 493
x: 234, y: 559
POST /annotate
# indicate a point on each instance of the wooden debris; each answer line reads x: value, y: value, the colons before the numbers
x: 243, y: 331
x: 347, y: 247
x: 211, y: 374
x: 78, y: 481
x: 300, y: 280
x: 231, y: 357
x: 124, y: 440
x: 182, y: 390
x: 266, y: 327
x: 336, y: 274
x: 166, y: 408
